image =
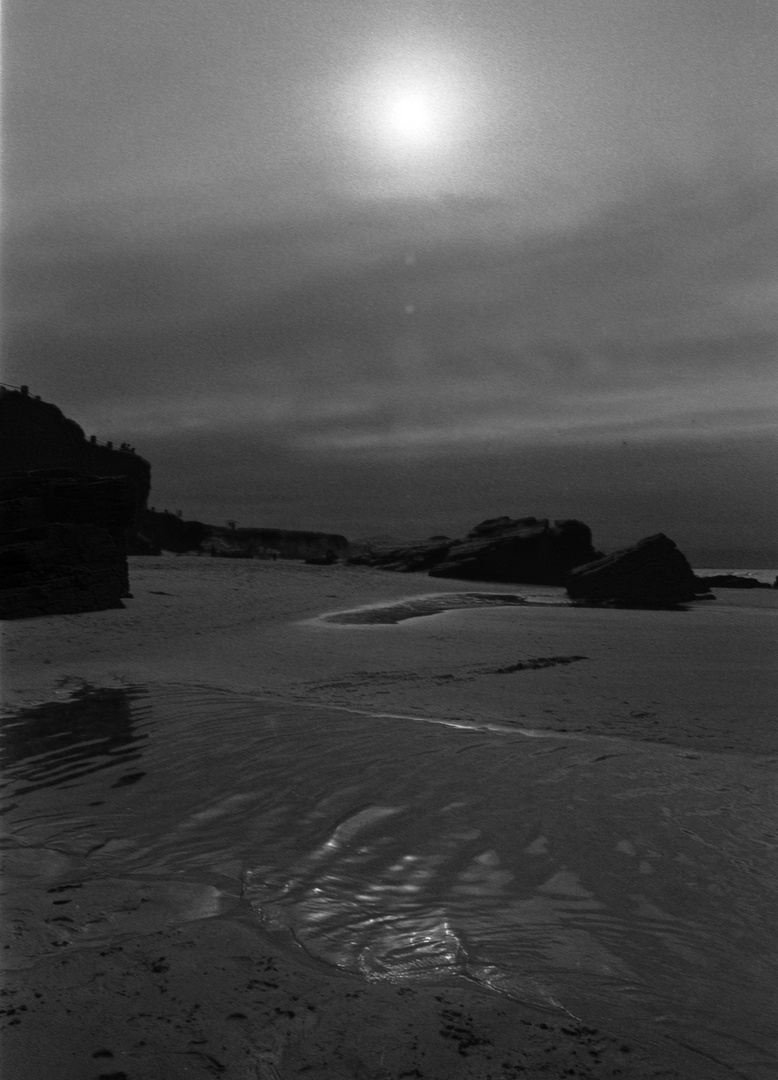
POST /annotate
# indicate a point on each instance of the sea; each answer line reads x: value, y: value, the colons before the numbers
x: 631, y: 885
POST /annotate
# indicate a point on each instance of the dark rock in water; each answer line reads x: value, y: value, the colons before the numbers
x: 528, y: 550
x: 63, y: 542
x: 732, y: 581
x: 651, y: 574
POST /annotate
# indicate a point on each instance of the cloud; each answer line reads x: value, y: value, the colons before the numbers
x: 421, y: 324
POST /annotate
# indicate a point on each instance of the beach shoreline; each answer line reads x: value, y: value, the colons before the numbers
x: 216, y: 995
x: 682, y: 677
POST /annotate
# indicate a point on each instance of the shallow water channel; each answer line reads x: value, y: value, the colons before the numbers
x: 625, y: 883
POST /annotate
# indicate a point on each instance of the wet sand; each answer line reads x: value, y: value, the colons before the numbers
x: 214, y: 996
x: 702, y: 677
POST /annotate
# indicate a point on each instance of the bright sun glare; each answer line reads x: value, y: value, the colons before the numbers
x: 412, y: 117
x: 414, y: 112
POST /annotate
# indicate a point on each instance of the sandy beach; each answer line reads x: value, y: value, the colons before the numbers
x: 203, y: 982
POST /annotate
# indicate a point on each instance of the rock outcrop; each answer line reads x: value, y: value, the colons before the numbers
x: 651, y: 574
x: 405, y: 558
x: 63, y: 542
x: 36, y: 435
x: 531, y: 551
x: 528, y: 550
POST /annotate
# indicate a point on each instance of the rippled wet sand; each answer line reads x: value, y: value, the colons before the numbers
x: 600, y: 877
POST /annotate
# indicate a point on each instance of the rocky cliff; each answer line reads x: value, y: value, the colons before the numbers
x: 35, y: 435
x: 171, y: 533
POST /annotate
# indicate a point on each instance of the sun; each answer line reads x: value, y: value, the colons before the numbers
x: 412, y: 117
x: 410, y: 113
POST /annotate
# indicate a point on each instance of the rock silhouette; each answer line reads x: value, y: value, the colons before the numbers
x: 651, y: 574
x: 36, y: 435
x: 527, y: 550
x: 63, y: 542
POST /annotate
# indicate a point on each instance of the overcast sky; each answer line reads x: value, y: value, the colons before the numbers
x: 396, y: 267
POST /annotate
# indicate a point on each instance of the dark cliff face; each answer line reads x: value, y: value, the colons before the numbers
x: 63, y: 542
x: 36, y: 435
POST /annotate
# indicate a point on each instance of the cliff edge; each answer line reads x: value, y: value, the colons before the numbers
x: 36, y: 435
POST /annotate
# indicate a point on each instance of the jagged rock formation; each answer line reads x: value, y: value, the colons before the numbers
x: 35, y: 434
x: 515, y: 550
x: 63, y: 542
x: 651, y: 574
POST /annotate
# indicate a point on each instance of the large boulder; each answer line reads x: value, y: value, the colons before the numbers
x: 529, y: 550
x: 651, y: 574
